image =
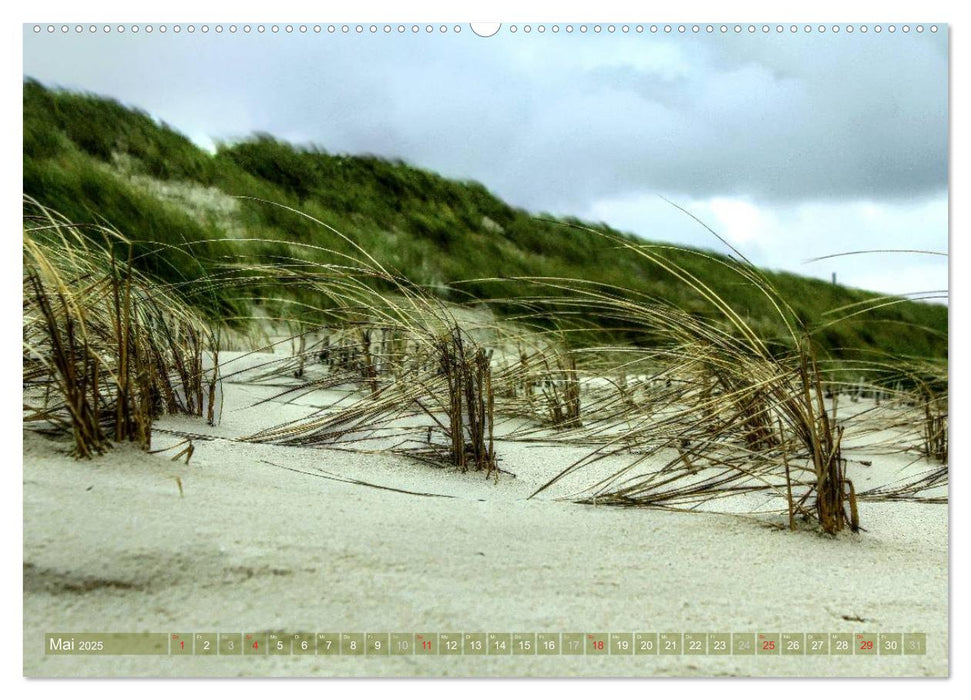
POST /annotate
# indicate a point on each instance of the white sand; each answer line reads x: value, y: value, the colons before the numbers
x: 110, y: 545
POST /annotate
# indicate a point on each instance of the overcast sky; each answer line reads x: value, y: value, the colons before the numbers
x: 791, y: 146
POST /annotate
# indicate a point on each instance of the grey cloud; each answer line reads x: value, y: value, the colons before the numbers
x: 557, y: 123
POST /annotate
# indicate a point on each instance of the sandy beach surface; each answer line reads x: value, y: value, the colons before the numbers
x: 270, y: 538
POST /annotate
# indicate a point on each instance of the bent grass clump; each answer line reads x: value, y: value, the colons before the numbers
x: 440, y: 410
x: 749, y: 417
x: 105, y: 350
x: 427, y: 381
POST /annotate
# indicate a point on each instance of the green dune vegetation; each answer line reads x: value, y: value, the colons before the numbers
x: 96, y: 161
x: 458, y: 321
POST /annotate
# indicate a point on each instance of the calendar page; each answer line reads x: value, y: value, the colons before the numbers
x: 512, y: 349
